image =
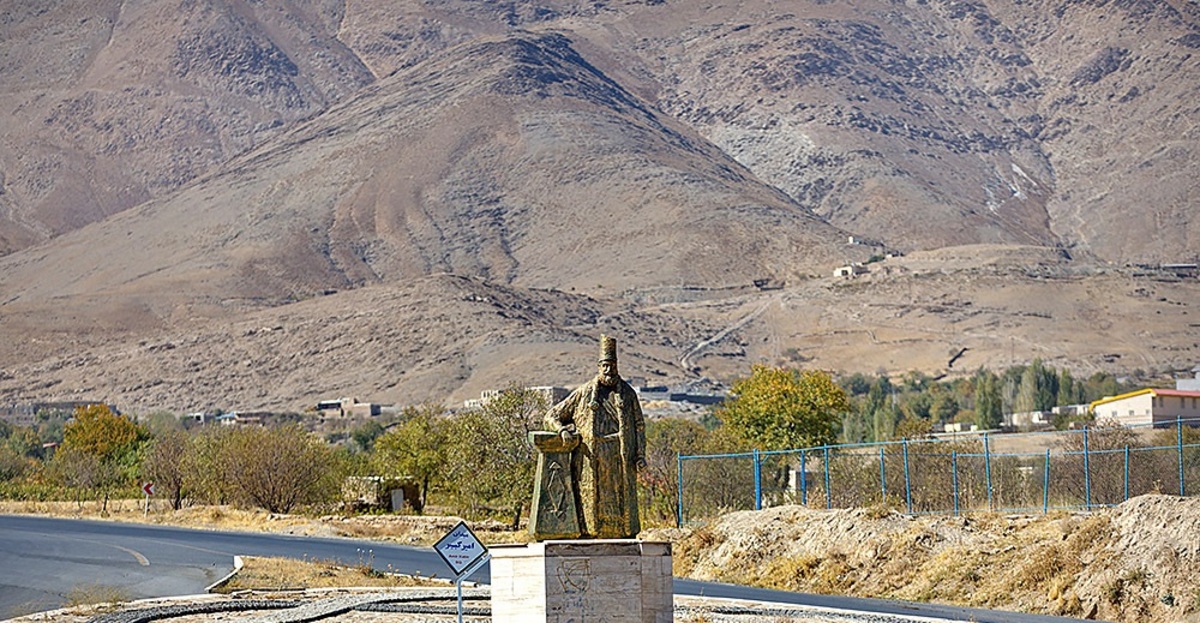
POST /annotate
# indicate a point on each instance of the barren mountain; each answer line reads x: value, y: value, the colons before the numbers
x: 108, y: 104
x: 172, y: 171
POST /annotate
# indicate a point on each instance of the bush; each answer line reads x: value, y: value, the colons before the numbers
x: 276, y: 469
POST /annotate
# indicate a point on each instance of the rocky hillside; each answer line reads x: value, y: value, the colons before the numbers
x: 922, y: 124
x: 168, y: 168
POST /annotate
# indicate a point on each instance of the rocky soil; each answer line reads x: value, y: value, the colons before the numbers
x: 446, y: 338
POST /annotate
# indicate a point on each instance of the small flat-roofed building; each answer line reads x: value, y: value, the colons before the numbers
x: 1192, y: 384
x: 349, y: 407
x: 850, y: 271
x: 552, y: 394
x: 1159, y: 407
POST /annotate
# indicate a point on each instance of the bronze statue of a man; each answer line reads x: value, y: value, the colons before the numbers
x: 604, y: 415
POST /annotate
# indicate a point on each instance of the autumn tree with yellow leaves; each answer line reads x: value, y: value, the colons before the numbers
x: 784, y: 408
x: 99, y: 452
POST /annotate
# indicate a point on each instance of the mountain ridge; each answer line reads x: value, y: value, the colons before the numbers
x: 187, y: 165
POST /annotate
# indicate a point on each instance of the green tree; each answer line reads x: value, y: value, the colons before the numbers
x: 365, y: 434
x: 917, y: 405
x: 1027, y: 391
x: 916, y: 381
x: 666, y: 439
x: 988, y: 410
x: 160, y: 423
x: 102, y: 448
x: 884, y: 420
x: 944, y: 407
x: 880, y: 408
x: 415, y: 448
x: 1047, y: 386
x: 1100, y: 385
x: 781, y: 408
x: 857, y: 426
x: 494, y: 457
x: 49, y: 424
x: 1010, y: 386
x: 1070, y: 392
x: 1038, y: 390
x: 13, y: 464
x: 23, y: 441
x: 207, y: 466
x: 856, y: 384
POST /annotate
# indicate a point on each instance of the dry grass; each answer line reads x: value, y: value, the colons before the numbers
x: 1130, y: 563
x: 212, y: 517
x: 96, y: 594
x: 286, y: 573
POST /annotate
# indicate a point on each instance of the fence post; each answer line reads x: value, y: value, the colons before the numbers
x: 1179, y: 442
x: 828, y: 491
x: 1087, y: 472
x: 1046, y: 485
x: 882, y: 476
x: 1126, y: 472
x: 907, y: 482
x: 987, y: 469
x: 757, y: 481
x: 679, y: 472
x: 803, y: 480
x: 954, y: 477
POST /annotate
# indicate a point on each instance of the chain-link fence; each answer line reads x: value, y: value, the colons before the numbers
x: 1032, y: 472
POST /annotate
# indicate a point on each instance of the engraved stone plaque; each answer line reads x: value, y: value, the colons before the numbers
x: 554, y: 514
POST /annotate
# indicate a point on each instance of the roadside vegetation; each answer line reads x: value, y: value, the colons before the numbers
x: 478, y: 464
x: 269, y: 574
x: 884, y: 409
x: 1135, y: 562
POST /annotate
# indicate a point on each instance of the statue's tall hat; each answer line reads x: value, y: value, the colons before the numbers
x: 608, y: 349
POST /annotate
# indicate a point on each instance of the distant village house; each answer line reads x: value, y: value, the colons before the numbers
x: 1159, y: 407
x: 850, y: 271
x: 551, y: 393
x: 349, y: 407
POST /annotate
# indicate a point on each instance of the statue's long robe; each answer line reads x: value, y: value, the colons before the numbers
x: 612, y: 435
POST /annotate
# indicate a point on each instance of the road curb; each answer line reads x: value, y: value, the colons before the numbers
x: 237, y: 566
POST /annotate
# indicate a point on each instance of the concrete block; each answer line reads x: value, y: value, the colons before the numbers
x: 617, y: 581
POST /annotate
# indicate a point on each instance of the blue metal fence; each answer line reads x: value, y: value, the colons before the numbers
x: 1030, y: 472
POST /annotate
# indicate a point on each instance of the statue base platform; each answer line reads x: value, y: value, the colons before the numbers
x: 611, y: 580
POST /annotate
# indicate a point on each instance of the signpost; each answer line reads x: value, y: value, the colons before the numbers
x: 463, y: 552
x: 148, y: 488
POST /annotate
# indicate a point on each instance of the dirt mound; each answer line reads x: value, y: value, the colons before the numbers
x: 1136, y: 562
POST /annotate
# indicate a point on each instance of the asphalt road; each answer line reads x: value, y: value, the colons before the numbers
x: 43, y: 559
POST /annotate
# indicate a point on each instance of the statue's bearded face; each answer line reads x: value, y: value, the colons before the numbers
x: 608, y: 373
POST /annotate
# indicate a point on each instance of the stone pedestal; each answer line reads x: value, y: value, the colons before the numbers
x: 614, y: 581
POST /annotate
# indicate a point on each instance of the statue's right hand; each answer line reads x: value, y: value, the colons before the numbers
x: 567, y: 433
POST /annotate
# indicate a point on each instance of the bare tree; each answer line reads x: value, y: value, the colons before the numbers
x: 164, y: 465
x: 280, y: 468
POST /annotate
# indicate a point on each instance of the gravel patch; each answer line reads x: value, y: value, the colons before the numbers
x: 155, y: 613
